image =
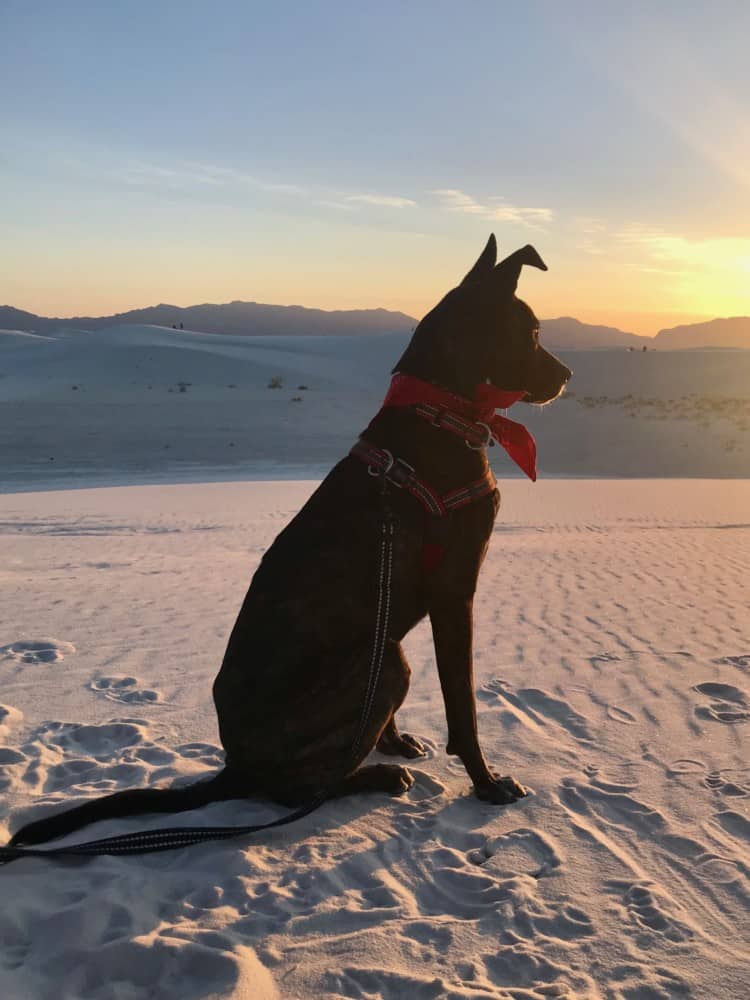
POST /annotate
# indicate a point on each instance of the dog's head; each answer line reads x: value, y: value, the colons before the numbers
x: 480, y: 332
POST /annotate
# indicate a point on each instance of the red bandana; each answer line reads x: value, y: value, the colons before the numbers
x: 512, y: 436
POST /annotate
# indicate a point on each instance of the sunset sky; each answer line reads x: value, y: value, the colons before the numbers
x: 343, y: 155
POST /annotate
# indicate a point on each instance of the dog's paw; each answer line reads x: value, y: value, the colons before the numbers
x: 393, y: 778
x: 412, y: 746
x: 501, y: 791
x: 403, y: 746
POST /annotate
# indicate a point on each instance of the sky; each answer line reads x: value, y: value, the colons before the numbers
x: 358, y: 154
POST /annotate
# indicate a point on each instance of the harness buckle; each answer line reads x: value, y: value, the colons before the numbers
x: 482, y: 444
x: 386, y: 470
x: 400, y: 472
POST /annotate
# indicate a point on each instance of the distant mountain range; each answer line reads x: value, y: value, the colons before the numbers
x: 734, y: 332
x: 716, y: 333
x: 249, y: 319
x: 256, y: 319
x: 569, y: 332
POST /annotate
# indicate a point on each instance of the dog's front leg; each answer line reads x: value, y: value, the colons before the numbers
x: 452, y: 633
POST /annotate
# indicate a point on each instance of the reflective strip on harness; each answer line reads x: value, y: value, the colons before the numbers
x: 474, y: 432
x: 403, y: 476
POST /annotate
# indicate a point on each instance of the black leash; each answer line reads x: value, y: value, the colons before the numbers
x: 151, y: 841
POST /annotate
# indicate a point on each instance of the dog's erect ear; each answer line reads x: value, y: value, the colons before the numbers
x: 485, y: 264
x: 508, y: 271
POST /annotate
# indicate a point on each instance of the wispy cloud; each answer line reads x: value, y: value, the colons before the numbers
x: 382, y: 200
x: 140, y: 174
x: 231, y: 175
x: 340, y: 206
x: 181, y: 176
x: 498, y: 209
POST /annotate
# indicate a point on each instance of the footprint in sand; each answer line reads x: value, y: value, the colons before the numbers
x: 62, y: 755
x: 651, y: 908
x: 96, y: 741
x: 642, y: 980
x: 124, y: 689
x: 520, y: 852
x: 456, y: 886
x: 730, y: 781
x: 742, y: 661
x: 9, y: 717
x: 728, y: 704
x: 86, y: 773
x: 37, y: 650
x: 361, y: 982
x: 207, y: 753
x: 9, y: 760
x: 522, y: 971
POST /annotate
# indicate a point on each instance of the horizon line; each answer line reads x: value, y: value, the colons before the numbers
x: 708, y: 317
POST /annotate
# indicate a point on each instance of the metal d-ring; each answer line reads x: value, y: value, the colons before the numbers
x: 482, y: 444
x: 386, y: 470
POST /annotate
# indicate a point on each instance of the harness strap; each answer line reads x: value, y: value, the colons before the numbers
x: 475, y: 433
x: 380, y: 461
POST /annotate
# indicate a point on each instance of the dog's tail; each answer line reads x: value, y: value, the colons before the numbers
x: 135, y: 802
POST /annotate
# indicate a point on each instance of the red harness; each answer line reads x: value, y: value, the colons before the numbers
x: 473, y: 420
x: 381, y: 462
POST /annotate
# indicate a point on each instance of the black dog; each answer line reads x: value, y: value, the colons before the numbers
x: 295, y: 675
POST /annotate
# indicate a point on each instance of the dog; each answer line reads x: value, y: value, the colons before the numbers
x: 299, y: 660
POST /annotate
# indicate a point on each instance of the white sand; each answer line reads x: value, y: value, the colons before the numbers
x: 613, y: 677
x: 680, y: 413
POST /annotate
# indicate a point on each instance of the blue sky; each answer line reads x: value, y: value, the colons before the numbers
x: 358, y: 154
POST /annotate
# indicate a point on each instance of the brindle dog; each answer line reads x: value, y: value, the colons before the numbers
x: 290, y: 691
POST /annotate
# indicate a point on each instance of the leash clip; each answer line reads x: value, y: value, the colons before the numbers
x: 482, y: 444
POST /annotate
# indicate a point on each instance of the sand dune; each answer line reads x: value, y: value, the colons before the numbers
x: 151, y: 404
x: 613, y: 676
